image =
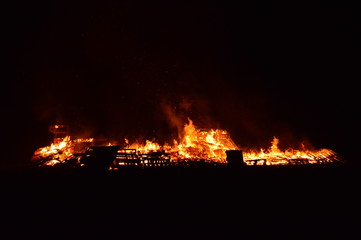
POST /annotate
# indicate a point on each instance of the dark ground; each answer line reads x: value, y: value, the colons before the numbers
x: 256, y: 69
x: 219, y: 203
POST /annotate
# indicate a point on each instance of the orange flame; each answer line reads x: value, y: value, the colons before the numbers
x: 274, y: 156
x: 148, y: 147
x: 58, y: 152
x: 195, y: 144
x: 202, y: 144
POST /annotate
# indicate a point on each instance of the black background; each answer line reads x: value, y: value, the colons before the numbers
x: 120, y: 69
x: 113, y: 68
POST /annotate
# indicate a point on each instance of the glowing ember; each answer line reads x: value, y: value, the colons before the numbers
x: 194, y: 145
x: 60, y: 151
x: 147, y: 148
x: 274, y: 156
x: 202, y: 144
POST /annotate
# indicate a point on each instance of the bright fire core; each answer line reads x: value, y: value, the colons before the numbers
x: 195, y: 145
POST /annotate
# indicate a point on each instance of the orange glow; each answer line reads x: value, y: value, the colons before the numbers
x: 148, y: 147
x: 194, y: 144
x: 59, y: 151
x: 274, y: 156
x: 202, y: 144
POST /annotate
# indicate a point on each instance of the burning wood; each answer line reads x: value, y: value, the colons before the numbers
x: 196, y: 146
x: 274, y: 156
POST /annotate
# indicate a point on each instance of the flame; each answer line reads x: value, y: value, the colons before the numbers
x: 194, y: 144
x: 274, y: 156
x: 148, y: 147
x: 61, y: 150
x: 202, y: 144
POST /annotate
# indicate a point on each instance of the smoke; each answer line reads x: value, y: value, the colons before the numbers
x: 178, y: 110
x: 175, y: 120
x: 177, y: 114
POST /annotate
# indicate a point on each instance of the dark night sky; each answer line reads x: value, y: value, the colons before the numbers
x: 112, y: 68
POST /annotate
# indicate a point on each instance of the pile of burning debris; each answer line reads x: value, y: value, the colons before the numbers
x: 197, y: 146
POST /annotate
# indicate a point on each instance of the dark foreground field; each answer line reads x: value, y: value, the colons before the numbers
x: 193, y: 203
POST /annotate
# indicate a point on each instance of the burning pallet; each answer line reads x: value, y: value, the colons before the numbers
x: 196, y: 147
x: 312, y: 158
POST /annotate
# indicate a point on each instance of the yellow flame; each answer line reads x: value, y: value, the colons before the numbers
x: 194, y: 144
x: 274, y: 156
x: 59, y: 151
x: 202, y: 144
